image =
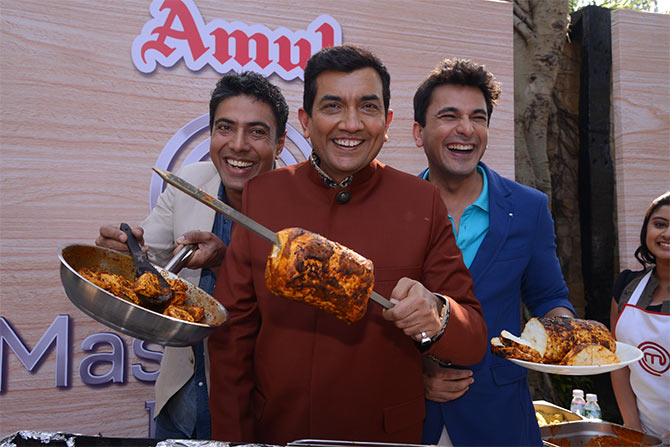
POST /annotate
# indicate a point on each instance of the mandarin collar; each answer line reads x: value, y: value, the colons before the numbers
x: 360, y: 177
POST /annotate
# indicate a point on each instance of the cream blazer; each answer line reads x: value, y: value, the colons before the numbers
x: 174, y: 214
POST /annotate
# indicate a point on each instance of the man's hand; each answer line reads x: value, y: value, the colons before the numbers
x: 210, y: 249
x: 444, y: 384
x: 110, y: 236
x: 416, y: 309
x: 560, y: 312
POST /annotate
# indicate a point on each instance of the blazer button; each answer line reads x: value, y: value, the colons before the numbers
x: 343, y: 197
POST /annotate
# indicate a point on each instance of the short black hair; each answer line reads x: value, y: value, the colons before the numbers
x: 344, y: 58
x: 251, y: 84
x: 643, y: 254
x: 458, y: 72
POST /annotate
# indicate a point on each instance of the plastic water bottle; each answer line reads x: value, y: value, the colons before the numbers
x: 592, y: 409
x: 578, y: 402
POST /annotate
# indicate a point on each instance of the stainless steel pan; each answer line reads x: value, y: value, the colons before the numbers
x: 580, y: 433
x: 124, y: 316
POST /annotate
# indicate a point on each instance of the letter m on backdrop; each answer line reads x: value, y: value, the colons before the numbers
x: 58, y: 332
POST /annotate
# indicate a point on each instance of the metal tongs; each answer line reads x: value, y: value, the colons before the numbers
x: 142, y: 266
x: 238, y: 217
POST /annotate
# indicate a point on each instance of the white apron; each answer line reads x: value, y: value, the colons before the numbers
x: 650, y: 377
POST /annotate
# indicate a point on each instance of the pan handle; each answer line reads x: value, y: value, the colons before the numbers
x: 178, y: 261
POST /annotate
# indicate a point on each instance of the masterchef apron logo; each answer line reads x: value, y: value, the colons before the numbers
x: 181, y: 139
x: 177, y: 31
x: 655, y: 359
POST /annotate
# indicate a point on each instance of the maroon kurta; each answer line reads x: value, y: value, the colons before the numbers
x: 282, y: 370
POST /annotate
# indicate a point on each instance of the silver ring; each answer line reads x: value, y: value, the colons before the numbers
x: 425, y: 338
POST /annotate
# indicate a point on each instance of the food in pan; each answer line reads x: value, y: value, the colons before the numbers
x: 147, y: 285
x: 546, y: 418
x: 597, y: 434
x: 179, y: 292
x: 597, y: 441
x: 186, y: 313
x: 559, y: 340
x: 308, y: 267
x: 605, y: 441
x: 124, y: 288
x: 197, y: 312
x: 115, y: 284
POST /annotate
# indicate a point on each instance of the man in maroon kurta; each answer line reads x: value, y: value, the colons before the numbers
x: 282, y: 370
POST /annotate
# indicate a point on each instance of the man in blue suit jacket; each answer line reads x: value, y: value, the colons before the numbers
x: 506, y: 234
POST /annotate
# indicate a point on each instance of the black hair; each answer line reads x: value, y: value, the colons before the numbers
x: 643, y: 254
x: 251, y: 84
x: 458, y: 72
x: 344, y: 58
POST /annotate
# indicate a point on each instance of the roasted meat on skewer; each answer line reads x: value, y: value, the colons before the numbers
x: 308, y: 267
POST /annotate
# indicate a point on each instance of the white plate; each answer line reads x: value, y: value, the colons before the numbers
x: 626, y: 353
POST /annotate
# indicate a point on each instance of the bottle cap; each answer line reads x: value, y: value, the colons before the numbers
x: 592, y: 397
x: 579, y: 393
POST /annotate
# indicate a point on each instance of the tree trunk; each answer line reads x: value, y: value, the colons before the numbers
x: 540, y: 31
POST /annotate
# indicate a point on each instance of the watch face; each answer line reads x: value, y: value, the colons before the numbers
x: 445, y: 306
x: 444, y: 316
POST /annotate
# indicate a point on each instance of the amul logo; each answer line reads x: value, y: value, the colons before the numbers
x: 184, y: 137
x: 177, y: 31
x: 655, y: 358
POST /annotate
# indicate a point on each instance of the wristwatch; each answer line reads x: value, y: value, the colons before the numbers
x: 444, y: 316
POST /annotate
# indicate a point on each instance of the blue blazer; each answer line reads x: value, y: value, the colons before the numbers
x: 516, y: 260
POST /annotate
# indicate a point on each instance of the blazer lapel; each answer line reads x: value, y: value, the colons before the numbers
x: 501, y: 213
x: 202, y: 217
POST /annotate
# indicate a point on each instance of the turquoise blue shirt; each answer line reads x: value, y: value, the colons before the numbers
x: 474, y: 222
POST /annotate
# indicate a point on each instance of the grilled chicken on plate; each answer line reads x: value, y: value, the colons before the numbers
x: 559, y: 340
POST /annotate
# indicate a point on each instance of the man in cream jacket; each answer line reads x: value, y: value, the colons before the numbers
x: 248, y: 128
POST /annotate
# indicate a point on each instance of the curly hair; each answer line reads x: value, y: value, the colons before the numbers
x: 458, y: 72
x: 643, y: 254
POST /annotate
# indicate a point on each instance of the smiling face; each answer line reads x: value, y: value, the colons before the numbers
x: 244, y: 141
x: 456, y: 131
x: 348, y: 125
x: 658, y: 234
